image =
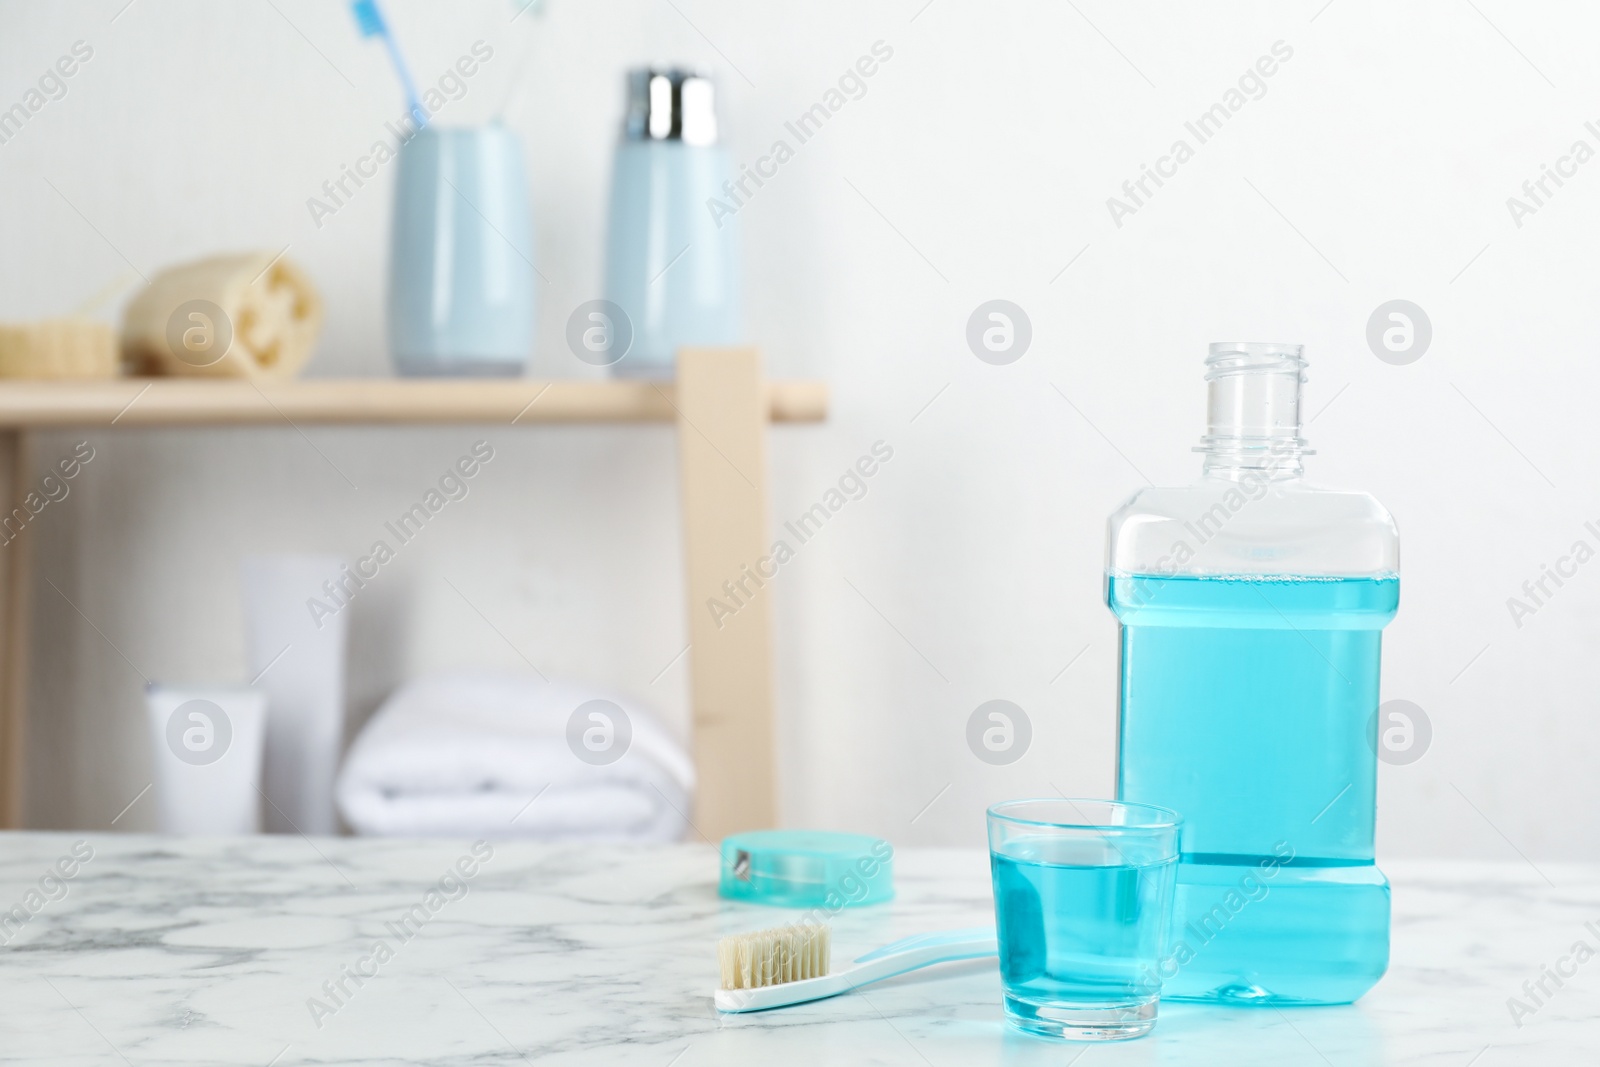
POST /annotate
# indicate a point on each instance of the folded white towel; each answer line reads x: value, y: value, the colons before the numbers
x: 463, y: 753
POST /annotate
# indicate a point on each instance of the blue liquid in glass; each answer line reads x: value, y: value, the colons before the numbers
x: 1248, y: 706
x: 1080, y: 922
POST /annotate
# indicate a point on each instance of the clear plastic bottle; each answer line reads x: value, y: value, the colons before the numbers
x: 1251, y: 607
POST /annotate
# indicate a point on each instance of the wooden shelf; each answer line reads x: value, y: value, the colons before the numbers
x: 720, y: 402
x: 366, y: 401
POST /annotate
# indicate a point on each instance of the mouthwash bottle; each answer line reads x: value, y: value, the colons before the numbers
x: 1252, y: 607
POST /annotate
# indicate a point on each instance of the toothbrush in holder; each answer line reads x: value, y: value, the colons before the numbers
x: 789, y: 964
x: 370, y: 20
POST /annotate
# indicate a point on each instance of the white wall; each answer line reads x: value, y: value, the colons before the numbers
x: 976, y: 166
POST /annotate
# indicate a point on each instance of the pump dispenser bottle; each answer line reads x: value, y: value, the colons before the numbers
x: 672, y: 258
x: 1251, y: 608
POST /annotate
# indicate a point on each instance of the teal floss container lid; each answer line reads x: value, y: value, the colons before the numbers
x: 807, y: 869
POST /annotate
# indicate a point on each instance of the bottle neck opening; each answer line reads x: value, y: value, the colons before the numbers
x: 1253, y: 411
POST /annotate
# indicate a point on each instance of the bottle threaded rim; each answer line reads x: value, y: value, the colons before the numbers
x: 1253, y: 406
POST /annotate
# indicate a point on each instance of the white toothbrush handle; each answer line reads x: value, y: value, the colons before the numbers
x: 921, y: 950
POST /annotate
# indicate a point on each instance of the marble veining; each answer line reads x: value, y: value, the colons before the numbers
x: 266, y: 950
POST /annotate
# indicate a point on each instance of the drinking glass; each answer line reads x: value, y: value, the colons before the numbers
x: 1083, y: 903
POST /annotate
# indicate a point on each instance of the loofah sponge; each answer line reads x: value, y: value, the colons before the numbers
x: 240, y: 316
x: 57, y: 348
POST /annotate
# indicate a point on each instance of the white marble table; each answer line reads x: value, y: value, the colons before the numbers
x: 162, y: 951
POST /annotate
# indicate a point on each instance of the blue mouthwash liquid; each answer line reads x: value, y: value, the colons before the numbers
x: 1248, y: 707
x: 1079, y: 922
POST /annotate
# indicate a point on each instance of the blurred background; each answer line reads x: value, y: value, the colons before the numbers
x: 976, y: 164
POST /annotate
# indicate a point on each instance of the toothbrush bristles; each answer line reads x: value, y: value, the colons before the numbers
x: 774, y: 957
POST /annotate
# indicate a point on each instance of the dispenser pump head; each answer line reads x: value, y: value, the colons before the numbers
x: 671, y: 104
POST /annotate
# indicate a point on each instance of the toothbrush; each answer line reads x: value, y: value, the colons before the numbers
x: 789, y: 964
x: 371, y: 23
